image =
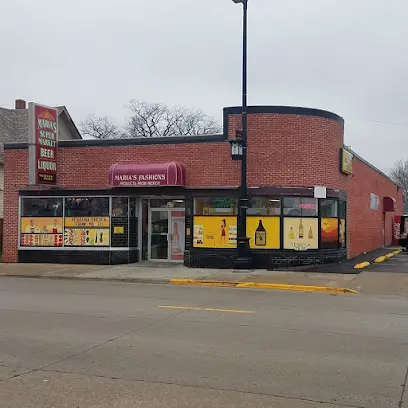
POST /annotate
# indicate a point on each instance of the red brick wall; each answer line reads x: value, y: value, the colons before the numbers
x: 365, y: 226
x: 283, y: 150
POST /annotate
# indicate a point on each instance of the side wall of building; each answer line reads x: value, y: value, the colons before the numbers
x: 369, y: 229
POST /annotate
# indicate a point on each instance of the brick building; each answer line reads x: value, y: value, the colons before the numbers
x: 174, y: 199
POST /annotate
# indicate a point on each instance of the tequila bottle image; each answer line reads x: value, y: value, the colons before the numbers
x: 310, y: 233
x: 291, y: 234
x: 260, y: 235
x: 301, y: 230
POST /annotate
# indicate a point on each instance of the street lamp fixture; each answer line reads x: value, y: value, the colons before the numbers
x: 239, y: 152
x: 236, y: 146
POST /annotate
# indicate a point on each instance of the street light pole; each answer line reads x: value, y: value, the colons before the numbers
x: 243, y: 260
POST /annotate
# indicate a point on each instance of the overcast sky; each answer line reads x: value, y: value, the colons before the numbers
x: 346, y: 56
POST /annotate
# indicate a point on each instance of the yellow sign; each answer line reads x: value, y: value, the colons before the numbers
x: 346, y: 162
x: 118, y: 230
x: 263, y: 232
x: 215, y: 232
x: 86, y: 237
x: 342, y: 234
x: 33, y: 225
x: 95, y: 222
x: 300, y: 234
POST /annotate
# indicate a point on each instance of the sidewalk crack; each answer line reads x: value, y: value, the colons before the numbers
x: 404, y: 387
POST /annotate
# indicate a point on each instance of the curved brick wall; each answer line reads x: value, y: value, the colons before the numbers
x: 292, y: 146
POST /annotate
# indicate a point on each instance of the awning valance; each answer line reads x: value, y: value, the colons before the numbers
x: 147, y: 175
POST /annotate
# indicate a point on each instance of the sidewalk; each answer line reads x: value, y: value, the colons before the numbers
x: 365, y: 282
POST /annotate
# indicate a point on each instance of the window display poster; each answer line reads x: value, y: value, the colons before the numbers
x: 215, y: 232
x: 41, y: 240
x: 86, y: 237
x: 300, y: 234
x: 263, y: 232
x: 342, y: 234
x: 330, y: 233
x: 177, y: 236
x: 41, y: 225
x: 90, y: 222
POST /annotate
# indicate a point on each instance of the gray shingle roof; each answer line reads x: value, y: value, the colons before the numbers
x: 14, y: 126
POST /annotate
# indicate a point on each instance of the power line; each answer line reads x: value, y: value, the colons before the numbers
x: 385, y: 122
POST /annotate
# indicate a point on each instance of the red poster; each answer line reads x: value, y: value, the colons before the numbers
x: 43, y: 133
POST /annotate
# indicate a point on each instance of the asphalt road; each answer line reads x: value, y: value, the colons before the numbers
x: 93, y: 344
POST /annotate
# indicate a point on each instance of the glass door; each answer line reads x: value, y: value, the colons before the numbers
x: 159, y: 234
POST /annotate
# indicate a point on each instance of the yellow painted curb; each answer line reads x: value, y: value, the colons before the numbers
x: 256, y: 285
x: 398, y: 251
x: 379, y: 259
x: 200, y: 282
x: 390, y: 255
x: 361, y: 265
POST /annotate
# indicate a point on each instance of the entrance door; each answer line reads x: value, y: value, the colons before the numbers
x: 166, y: 234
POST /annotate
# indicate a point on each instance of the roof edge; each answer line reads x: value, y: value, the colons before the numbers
x: 284, y: 110
x: 371, y: 166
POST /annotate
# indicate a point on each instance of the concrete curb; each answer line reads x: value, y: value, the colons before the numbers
x: 379, y: 259
x: 261, y: 285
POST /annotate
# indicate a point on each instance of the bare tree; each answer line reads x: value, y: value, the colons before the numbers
x: 99, y: 127
x: 158, y: 120
x: 400, y: 175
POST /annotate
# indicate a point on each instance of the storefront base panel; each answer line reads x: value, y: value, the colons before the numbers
x: 78, y: 257
x: 224, y: 259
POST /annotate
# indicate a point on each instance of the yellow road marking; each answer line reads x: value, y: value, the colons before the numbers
x: 209, y: 309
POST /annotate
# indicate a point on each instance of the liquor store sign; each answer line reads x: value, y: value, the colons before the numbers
x: 43, y: 143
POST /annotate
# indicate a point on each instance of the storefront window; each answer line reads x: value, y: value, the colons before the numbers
x: 87, y: 207
x: 215, y: 206
x: 328, y: 208
x: 119, y: 206
x: 300, y: 207
x: 264, y: 206
x: 157, y: 203
x: 41, y: 207
x: 342, y: 209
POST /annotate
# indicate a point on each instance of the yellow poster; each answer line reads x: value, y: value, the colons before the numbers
x: 300, y: 234
x: 86, y: 237
x: 263, y: 232
x: 342, y: 233
x: 87, y: 222
x: 215, y: 232
x: 48, y: 225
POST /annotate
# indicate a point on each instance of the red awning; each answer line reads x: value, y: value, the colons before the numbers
x: 389, y: 204
x: 147, y: 175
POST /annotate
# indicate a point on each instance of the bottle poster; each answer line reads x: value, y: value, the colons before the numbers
x: 215, y: 232
x: 300, y: 234
x: 177, y: 236
x: 263, y: 232
x: 330, y: 233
